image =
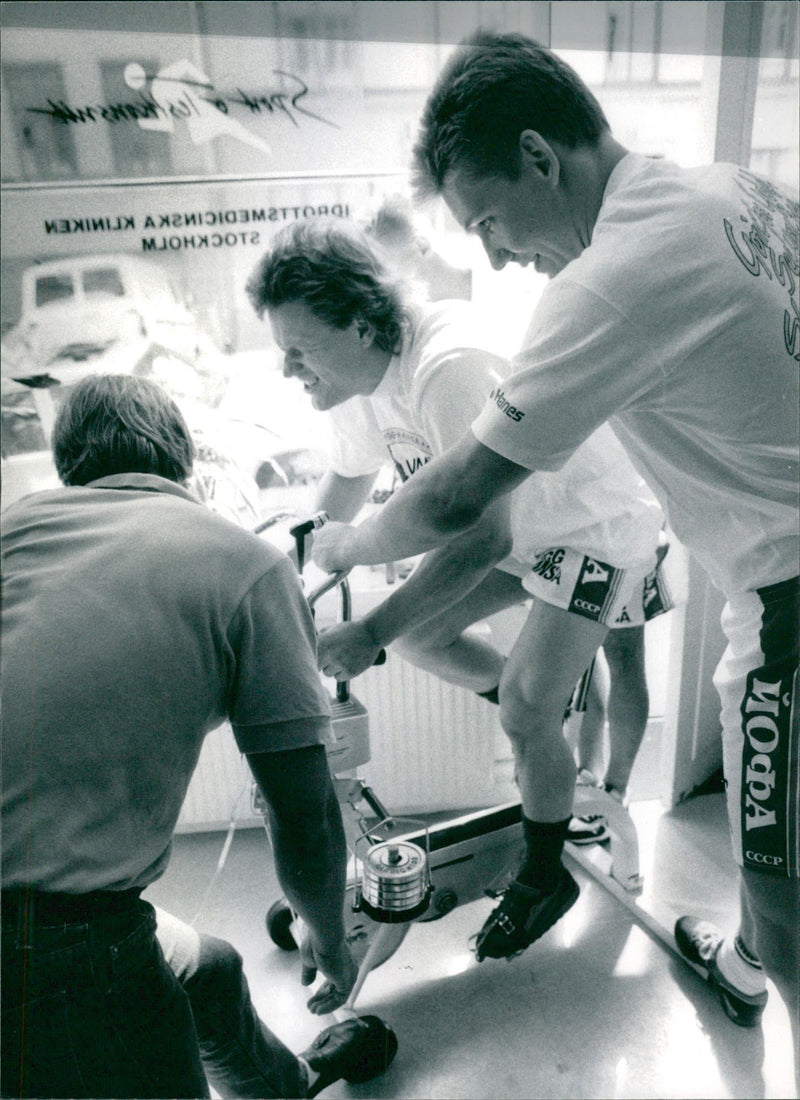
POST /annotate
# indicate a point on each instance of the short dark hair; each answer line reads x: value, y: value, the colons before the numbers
x: 120, y: 424
x: 491, y: 89
x: 333, y: 267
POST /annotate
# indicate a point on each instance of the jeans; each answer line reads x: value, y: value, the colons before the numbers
x: 241, y: 1056
x: 91, y: 1009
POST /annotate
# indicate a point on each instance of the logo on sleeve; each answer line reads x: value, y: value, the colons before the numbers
x: 505, y: 406
x: 548, y: 564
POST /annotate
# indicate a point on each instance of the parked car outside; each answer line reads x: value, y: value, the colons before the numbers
x: 73, y: 306
x: 278, y: 438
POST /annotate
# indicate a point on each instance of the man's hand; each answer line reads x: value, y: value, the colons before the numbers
x: 334, y: 547
x: 340, y: 970
x: 346, y: 650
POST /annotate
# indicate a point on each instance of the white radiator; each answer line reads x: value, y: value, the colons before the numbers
x: 433, y: 747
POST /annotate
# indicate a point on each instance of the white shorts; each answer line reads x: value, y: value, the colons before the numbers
x: 757, y: 684
x: 617, y: 598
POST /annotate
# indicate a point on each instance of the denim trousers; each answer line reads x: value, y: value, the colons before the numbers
x: 90, y: 1008
x: 241, y: 1056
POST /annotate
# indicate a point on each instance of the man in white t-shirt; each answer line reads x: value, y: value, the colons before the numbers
x: 404, y: 380
x: 673, y: 314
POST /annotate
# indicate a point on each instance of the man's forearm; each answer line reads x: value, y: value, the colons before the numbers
x: 429, y: 510
x: 443, y: 499
x: 343, y: 497
x: 311, y: 865
x: 442, y: 578
x: 307, y: 836
x: 408, y: 527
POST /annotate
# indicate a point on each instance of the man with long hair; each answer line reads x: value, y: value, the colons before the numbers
x: 403, y: 380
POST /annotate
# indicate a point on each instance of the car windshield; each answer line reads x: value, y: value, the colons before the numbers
x: 103, y: 280
x: 53, y: 288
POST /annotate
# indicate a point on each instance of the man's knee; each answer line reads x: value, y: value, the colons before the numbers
x: 525, y: 716
x: 219, y: 978
x: 625, y: 645
x: 411, y: 647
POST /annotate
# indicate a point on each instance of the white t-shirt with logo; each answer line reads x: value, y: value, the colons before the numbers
x: 426, y: 401
x: 680, y: 325
x: 434, y: 389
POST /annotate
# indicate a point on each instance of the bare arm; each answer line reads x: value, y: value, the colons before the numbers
x: 442, y: 578
x: 310, y: 858
x: 343, y: 497
x: 444, y: 575
x: 443, y: 499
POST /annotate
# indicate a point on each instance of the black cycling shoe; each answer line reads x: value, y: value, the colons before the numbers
x: 356, y: 1050
x: 699, y: 941
x: 524, y: 914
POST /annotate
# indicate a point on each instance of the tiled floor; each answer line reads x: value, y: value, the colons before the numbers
x: 597, y: 1008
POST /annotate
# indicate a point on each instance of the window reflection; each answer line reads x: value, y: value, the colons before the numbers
x: 135, y: 151
x: 45, y: 146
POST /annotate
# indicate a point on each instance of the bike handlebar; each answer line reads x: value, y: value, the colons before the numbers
x: 299, y: 532
x: 334, y: 580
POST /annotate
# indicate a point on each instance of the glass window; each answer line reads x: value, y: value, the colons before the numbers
x: 634, y: 41
x: 779, y: 41
x: 22, y: 428
x: 53, y: 288
x: 681, y: 42
x: 775, y: 149
x: 103, y: 280
x: 647, y: 74
x: 136, y: 151
x: 45, y: 144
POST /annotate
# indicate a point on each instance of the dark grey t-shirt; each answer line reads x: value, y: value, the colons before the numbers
x: 134, y: 622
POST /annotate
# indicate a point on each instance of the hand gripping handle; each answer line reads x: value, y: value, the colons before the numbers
x: 299, y: 533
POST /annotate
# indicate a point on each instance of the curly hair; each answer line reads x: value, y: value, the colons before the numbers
x: 337, y: 271
x: 492, y: 88
x: 120, y: 424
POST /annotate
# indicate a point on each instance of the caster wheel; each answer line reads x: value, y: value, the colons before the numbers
x: 279, y: 925
x: 444, y: 902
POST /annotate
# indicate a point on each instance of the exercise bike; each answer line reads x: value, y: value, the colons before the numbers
x: 404, y: 871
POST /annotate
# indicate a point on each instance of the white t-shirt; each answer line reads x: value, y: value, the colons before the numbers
x: 426, y: 401
x: 680, y: 324
x: 431, y: 393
